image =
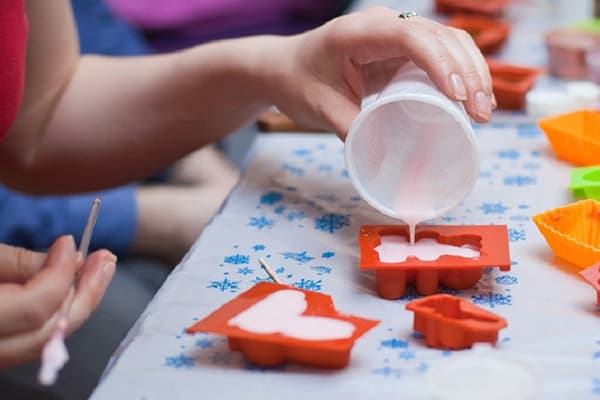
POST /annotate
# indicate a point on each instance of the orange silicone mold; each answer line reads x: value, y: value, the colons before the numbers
x: 454, y: 272
x: 449, y: 322
x: 573, y: 231
x: 511, y: 83
x: 592, y: 276
x: 487, y: 33
x: 268, y: 350
x: 485, y: 7
x: 574, y: 137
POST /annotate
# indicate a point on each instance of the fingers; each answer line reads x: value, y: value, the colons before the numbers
x: 97, y: 273
x: 448, y: 55
x: 18, y: 265
x: 26, y: 346
x: 27, y: 307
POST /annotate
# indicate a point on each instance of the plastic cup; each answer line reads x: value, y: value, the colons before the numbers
x: 411, y: 151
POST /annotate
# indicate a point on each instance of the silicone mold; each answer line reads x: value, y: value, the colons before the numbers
x: 453, y: 272
x: 592, y: 276
x: 572, y: 231
x: 585, y: 182
x: 487, y: 33
x: 485, y: 7
x: 511, y: 83
x: 449, y: 322
x: 567, y: 52
x: 574, y: 137
x: 268, y: 350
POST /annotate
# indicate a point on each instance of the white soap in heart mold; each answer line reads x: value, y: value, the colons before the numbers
x: 281, y: 312
x: 397, y: 249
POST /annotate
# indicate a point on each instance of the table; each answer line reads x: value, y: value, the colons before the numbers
x: 296, y: 207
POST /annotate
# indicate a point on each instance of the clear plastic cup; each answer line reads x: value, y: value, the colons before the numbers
x: 411, y: 151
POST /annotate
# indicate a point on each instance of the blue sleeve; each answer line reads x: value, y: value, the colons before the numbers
x: 34, y: 222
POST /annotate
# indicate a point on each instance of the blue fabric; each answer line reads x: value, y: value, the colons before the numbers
x: 34, y: 222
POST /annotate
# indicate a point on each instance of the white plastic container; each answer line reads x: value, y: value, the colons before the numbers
x: 411, y: 151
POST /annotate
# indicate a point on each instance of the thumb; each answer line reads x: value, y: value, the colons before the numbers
x: 340, y: 113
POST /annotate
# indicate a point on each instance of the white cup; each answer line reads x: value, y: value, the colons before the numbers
x: 411, y: 151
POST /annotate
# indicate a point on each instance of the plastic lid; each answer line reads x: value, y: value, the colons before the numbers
x: 476, y: 375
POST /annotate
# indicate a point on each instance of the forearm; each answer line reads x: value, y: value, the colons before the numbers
x: 121, y: 119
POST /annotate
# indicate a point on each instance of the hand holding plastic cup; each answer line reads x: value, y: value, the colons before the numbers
x: 411, y: 151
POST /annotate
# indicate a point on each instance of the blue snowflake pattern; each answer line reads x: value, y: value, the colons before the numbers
x: 519, y: 218
x: 531, y: 165
x: 292, y: 169
x: 245, y: 271
x: 417, y: 335
x: 509, y: 154
x: 204, y: 343
x: 258, y: 279
x: 355, y: 198
x: 596, y: 386
x: 221, y: 357
x: 507, y: 280
x: 493, y: 208
x: 516, y: 235
x: 388, y: 371
x: 180, y: 361
x: 332, y: 222
x: 406, y: 355
x: 280, y: 270
x: 596, y: 355
x: 308, y: 284
x: 279, y: 209
x: 345, y: 173
x: 321, y: 269
x: 325, y: 168
x: 448, y: 218
x: 485, y: 174
x: 259, y: 247
x: 225, y: 285
x: 300, y: 258
x: 492, y: 299
x: 528, y: 130
x: 261, y: 222
x: 237, y: 259
x: 302, y: 152
x: 294, y: 215
x: 328, y: 254
x: 519, y: 180
x: 394, y: 343
x: 523, y: 206
x: 534, y: 153
x: 271, y: 198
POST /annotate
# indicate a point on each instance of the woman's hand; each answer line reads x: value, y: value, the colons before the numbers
x: 333, y: 67
x: 33, y: 288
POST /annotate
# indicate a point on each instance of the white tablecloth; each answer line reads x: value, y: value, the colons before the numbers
x: 296, y: 207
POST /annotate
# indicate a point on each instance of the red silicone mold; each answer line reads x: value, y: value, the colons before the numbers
x: 511, y: 83
x: 268, y: 350
x: 453, y: 272
x: 449, y: 322
x: 592, y: 276
x: 491, y: 8
x: 487, y: 33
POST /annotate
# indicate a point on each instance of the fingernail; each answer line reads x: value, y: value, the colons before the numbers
x: 483, y: 106
x: 458, y: 87
x: 107, y: 270
x: 493, y: 100
x: 70, y: 241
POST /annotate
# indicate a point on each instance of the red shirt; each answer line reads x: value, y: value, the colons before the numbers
x: 13, y: 43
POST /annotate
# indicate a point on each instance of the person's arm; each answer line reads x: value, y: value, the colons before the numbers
x: 92, y: 122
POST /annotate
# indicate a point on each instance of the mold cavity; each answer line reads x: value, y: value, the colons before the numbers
x: 281, y: 312
x: 393, y: 248
x: 452, y: 309
x: 593, y: 176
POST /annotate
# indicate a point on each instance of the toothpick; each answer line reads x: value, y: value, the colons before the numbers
x: 55, y: 354
x: 268, y: 270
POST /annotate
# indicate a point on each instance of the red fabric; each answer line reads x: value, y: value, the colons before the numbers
x: 13, y: 43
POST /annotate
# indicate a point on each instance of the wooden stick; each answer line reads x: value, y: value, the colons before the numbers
x: 268, y: 270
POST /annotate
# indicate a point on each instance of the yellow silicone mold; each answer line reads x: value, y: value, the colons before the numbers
x: 574, y: 137
x: 573, y: 231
